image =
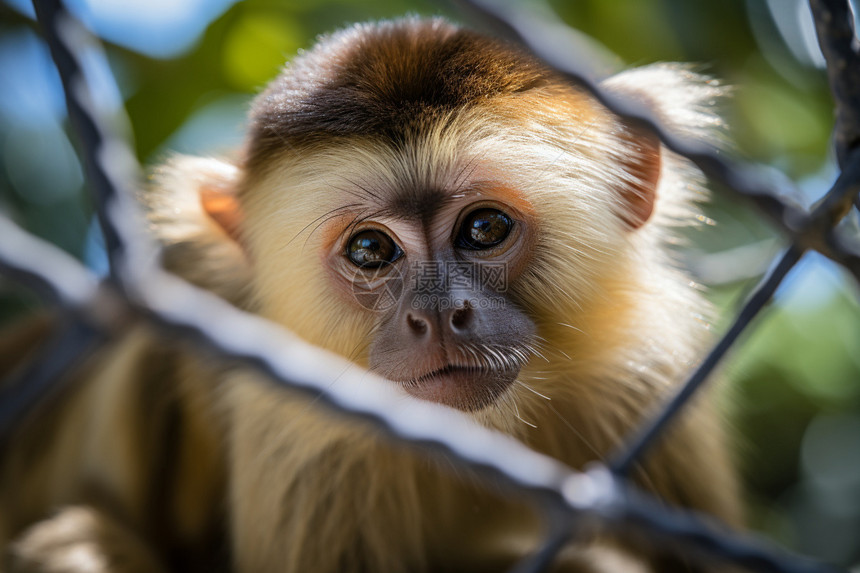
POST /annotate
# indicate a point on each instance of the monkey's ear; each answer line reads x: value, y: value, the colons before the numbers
x: 194, y: 212
x: 222, y: 205
x: 641, y: 164
x: 686, y: 103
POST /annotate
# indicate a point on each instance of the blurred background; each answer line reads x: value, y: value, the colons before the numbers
x: 186, y: 70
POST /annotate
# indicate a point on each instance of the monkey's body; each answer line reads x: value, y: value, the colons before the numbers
x: 381, y: 137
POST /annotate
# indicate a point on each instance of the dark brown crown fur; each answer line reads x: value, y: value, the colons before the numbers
x: 382, y: 80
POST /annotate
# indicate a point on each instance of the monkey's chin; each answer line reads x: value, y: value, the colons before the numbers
x: 467, y: 389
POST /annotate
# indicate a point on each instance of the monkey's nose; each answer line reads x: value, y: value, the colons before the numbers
x: 417, y: 324
x: 460, y: 319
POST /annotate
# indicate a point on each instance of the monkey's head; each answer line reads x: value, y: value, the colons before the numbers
x: 432, y: 204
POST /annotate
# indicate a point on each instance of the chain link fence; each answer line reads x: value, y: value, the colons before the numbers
x: 138, y: 290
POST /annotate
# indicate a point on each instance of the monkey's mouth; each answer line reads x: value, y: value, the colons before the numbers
x: 463, y: 387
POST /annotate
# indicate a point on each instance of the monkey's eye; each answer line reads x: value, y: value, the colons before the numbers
x: 372, y: 249
x: 483, y: 228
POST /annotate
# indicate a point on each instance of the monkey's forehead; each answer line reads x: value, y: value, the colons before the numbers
x: 386, y: 80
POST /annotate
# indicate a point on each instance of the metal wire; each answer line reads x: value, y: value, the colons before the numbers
x: 110, y: 165
x: 838, y: 41
x: 139, y: 290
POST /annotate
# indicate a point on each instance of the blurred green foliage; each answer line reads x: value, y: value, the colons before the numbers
x: 794, y: 380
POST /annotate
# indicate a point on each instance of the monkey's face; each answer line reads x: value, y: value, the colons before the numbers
x: 410, y: 266
x: 438, y: 277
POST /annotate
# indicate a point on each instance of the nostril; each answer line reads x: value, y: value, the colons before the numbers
x: 461, y: 317
x: 416, y: 324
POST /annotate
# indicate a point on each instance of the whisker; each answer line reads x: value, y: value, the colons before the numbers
x: 532, y: 390
x: 367, y: 191
x: 570, y: 326
x: 517, y: 415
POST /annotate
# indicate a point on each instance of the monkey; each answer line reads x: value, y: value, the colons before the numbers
x: 446, y: 211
